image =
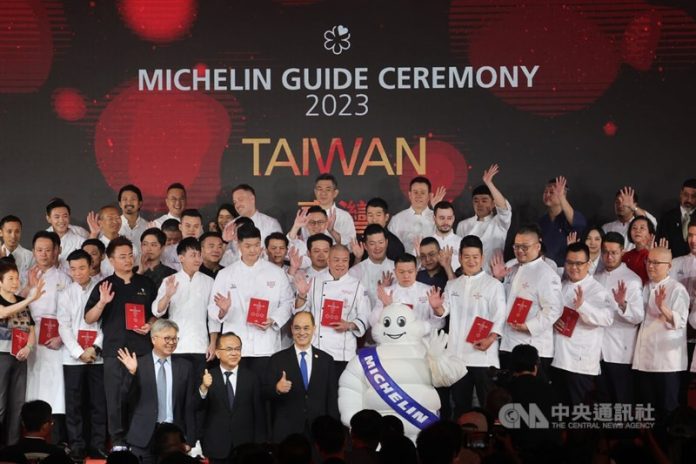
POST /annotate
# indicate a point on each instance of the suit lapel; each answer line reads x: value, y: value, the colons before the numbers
x: 176, y: 375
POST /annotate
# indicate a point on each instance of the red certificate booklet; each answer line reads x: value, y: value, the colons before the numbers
x: 331, y: 312
x: 565, y: 325
x: 86, y: 338
x: 48, y: 329
x: 518, y: 312
x: 19, y: 340
x: 135, y: 316
x: 480, y: 329
x: 258, y: 311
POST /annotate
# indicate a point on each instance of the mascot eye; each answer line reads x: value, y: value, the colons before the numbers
x: 387, y: 322
x: 401, y: 321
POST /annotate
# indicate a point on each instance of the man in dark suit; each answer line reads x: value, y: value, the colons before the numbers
x: 158, y: 389
x: 673, y: 224
x: 300, y: 382
x: 230, y: 397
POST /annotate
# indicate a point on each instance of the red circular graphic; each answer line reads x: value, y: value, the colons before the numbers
x: 610, y: 129
x: 577, y: 62
x: 26, y: 46
x: 69, y: 104
x: 445, y: 166
x: 153, y: 139
x: 159, y: 20
x: 639, y: 46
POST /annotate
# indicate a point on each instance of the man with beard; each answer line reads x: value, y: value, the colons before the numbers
x: 674, y: 223
x: 130, y: 200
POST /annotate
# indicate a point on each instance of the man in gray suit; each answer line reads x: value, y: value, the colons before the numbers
x: 158, y: 389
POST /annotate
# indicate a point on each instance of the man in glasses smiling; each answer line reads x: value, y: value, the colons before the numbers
x: 230, y: 397
x: 531, y: 283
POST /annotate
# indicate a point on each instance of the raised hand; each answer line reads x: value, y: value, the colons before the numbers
x: 620, y: 295
x: 301, y: 218
x: 387, y: 279
x: 444, y: 257
x: 357, y: 248
x: 560, y: 187
x: 284, y: 385
x: 384, y: 295
x: 332, y: 220
x: 572, y: 238
x: 627, y: 197
x: 490, y: 173
x: 223, y: 303
x: 128, y: 359
x: 498, y: 269
x: 438, y: 196
x: 435, y: 297
x: 295, y: 260
x: 37, y: 291
x: 170, y: 286
x: 106, y: 296
x: 660, y: 296
x: 93, y: 223
x: 34, y: 275
x: 301, y: 283
x: 416, y: 243
x: 229, y: 234
x: 578, y: 301
x: 206, y: 382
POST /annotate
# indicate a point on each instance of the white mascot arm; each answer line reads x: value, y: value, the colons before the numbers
x: 351, y: 391
x: 445, y: 368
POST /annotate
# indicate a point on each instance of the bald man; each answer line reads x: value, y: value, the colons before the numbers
x: 661, y: 345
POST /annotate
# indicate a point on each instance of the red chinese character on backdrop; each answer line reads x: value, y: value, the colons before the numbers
x: 358, y: 211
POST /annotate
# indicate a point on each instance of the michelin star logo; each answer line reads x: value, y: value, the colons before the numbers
x: 337, y: 39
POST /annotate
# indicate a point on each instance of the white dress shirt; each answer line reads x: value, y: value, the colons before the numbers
x: 492, y: 230
x: 72, y: 240
x: 369, y: 273
x: 133, y: 234
x: 407, y: 225
x: 660, y: 346
x: 266, y: 224
x: 465, y: 299
x: 24, y: 259
x: 356, y: 308
x: 262, y: 280
x: 71, y: 319
x: 170, y: 382
x: 188, y: 307
x: 416, y: 297
x: 580, y: 352
x: 160, y: 220
x: 537, y: 282
x: 620, y: 337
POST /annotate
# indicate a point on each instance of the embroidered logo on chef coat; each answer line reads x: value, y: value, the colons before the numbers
x: 477, y: 295
x: 271, y: 283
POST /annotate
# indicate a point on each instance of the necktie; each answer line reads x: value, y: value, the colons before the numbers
x: 161, y: 391
x: 230, y: 389
x: 303, y: 369
x: 685, y: 225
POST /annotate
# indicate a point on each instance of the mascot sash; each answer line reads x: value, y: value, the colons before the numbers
x: 390, y: 392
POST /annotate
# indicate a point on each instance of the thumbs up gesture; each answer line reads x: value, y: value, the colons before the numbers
x: 284, y: 385
x: 207, y: 381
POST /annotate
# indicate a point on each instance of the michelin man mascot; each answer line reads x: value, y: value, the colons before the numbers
x: 398, y: 377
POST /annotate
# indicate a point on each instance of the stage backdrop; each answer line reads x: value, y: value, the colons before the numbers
x: 97, y: 94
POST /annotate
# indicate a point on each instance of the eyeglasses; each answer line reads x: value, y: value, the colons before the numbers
x: 655, y: 263
x: 169, y: 340
x: 231, y: 349
x: 316, y: 223
x: 575, y: 263
x: 517, y: 247
x: 611, y: 253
